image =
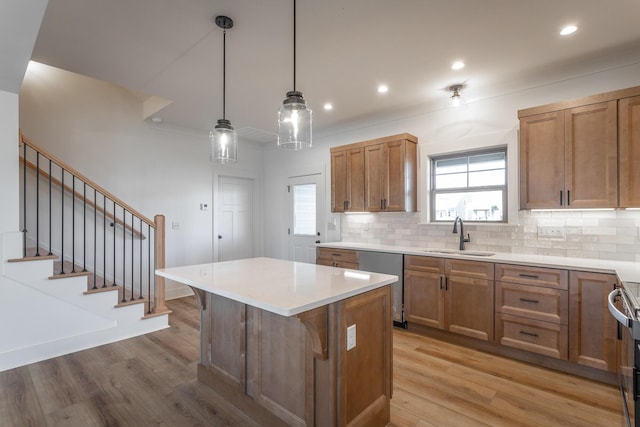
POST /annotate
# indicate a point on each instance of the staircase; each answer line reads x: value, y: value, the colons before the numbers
x: 80, y: 274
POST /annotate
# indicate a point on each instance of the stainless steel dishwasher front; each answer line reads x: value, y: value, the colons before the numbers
x: 388, y: 263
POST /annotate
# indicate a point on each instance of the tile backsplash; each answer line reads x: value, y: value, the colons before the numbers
x: 581, y: 234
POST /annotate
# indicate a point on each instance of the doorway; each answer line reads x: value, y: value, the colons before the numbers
x: 306, y: 216
x: 235, y: 218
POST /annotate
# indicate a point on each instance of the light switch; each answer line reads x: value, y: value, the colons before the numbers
x: 204, y: 206
x: 175, y: 225
x: 351, y: 337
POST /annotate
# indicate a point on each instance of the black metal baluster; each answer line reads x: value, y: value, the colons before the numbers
x: 104, y: 240
x: 140, y: 297
x: 37, y: 203
x: 95, y: 237
x: 84, y: 226
x: 62, y: 225
x: 50, y: 253
x: 132, y: 255
x: 73, y: 223
x: 149, y: 282
x: 124, y: 254
x: 24, y: 200
x: 113, y: 224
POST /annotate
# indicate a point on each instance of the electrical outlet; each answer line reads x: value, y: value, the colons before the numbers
x: 550, y: 232
x: 204, y: 207
x: 351, y: 337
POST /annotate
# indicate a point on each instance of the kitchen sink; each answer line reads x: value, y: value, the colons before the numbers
x: 458, y: 252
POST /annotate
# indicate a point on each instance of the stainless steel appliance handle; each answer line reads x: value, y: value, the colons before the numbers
x: 619, y: 316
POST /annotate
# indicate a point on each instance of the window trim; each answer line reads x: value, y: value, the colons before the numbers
x: 468, y: 153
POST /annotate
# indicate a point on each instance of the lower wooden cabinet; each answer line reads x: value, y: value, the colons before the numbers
x: 532, y: 310
x: 343, y: 258
x: 592, y: 329
x: 549, y: 339
x: 454, y: 295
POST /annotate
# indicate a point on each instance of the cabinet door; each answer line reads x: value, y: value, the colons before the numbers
x: 424, y: 298
x: 338, y: 181
x: 355, y: 180
x: 591, y: 156
x: 375, y: 160
x: 469, y: 307
x: 401, y: 176
x: 629, y: 151
x: 592, y: 329
x: 542, y: 160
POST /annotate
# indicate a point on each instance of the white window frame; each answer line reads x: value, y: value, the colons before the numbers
x: 504, y: 188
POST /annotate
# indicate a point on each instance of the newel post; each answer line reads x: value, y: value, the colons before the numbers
x: 159, y: 304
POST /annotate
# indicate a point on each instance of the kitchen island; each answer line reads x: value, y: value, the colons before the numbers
x: 274, y: 338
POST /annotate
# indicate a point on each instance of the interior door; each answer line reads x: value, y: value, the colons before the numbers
x: 306, y: 215
x: 235, y: 213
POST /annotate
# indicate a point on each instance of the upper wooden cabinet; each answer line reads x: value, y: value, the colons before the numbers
x: 629, y: 151
x: 375, y: 176
x: 568, y: 159
x: 579, y: 153
x: 347, y: 180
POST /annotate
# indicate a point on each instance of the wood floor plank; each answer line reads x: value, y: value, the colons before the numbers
x: 151, y: 380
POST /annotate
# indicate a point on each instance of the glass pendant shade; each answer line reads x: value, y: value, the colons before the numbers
x: 294, y: 123
x: 224, y: 143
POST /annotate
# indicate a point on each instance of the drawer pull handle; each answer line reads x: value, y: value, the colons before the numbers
x: 336, y: 254
x: 529, y: 334
x: 532, y: 301
x: 530, y: 276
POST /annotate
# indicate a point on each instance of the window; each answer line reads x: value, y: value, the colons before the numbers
x: 470, y: 185
x: 304, y: 209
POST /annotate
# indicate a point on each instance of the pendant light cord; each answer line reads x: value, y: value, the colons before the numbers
x: 224, y: 73
x: 294, y: 45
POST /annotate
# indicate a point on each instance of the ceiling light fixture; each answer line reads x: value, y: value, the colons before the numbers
x: 456, y: 97
x: 328, y: 106
x: 294, y: 117
x: 383, y: 89
x: 569, y: 29
x: 224, y: 140
x: 458, y: 65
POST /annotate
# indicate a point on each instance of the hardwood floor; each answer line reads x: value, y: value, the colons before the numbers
x: 151, y: 380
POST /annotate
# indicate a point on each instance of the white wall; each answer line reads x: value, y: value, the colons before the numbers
x: 97, y: 128
x: 482, y: 123
x: 9, y: 162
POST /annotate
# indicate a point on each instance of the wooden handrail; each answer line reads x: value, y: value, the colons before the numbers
x: 159, y: 298
x: 91, y: 203
x: 89, y: 182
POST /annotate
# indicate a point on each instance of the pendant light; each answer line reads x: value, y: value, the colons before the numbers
x: 224, y: 140
x: 456, y: 96
x: 294, y: 117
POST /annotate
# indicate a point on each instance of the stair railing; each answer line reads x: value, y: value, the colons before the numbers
x: 91, y: 231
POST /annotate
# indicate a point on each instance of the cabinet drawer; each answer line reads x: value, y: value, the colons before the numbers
x: 424, y: 263
x: 549, y: 339
x: 533, y: 302
x: 342, y: 255
x: 536, y: 276
x: 474, y: 269
x: 349, y: 265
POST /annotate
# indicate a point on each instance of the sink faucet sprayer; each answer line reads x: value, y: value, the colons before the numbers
x: 463, y: 240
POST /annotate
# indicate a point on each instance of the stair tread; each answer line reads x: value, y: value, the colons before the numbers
x: 33, y: 258
x: 69, y: 274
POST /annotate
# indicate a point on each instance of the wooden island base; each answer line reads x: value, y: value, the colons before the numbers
x: 296, y: 371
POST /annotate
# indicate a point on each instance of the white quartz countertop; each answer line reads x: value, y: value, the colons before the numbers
x: 626, y: 271
x: 282, y: 287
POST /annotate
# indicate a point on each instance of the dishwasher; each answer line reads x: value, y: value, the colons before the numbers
x: 388, y: 263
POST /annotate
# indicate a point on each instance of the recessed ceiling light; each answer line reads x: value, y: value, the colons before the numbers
x: 458, y: 65
x: 328, y: 106
x: 383, y: 89
x: 156, y: 119
x: 569, y: 29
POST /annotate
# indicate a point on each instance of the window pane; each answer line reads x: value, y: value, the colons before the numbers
x: 470, y: 206
x: 487, y: 161
x: 455, y: 165
x: 486, y: 178
x: 304, y: 209
x: 456, y: 180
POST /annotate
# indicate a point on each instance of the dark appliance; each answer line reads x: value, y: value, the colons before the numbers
x: 623, y: 305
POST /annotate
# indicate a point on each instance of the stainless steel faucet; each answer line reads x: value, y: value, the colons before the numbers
x: 463, y: 240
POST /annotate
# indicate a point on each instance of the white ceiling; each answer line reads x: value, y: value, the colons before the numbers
x: 172, y: 49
